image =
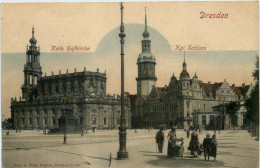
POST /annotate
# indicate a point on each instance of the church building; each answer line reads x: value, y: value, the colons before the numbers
x: 41, y: 104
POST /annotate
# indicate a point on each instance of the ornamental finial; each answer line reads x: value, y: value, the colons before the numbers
x: 146, y: 33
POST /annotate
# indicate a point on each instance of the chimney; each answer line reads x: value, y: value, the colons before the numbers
x: 208, y: 82
x: 233, y: 85
x: 243, y: 85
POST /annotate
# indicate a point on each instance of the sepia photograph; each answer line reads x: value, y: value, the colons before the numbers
x: 152, y: 84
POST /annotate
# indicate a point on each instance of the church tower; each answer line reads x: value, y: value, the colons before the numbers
x: 146, y: 66
x: 32, y: 70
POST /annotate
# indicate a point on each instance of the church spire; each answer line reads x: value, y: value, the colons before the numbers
x: 146, y: 34
x: 184, y: 65
x: 184, y: 72
x: 33, y: 41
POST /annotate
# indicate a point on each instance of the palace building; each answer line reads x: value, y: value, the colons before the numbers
x: 41, y: 104
x: 184, y: 102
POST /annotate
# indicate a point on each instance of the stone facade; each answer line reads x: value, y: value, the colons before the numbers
x: 184, y: 102
x: 43, y: 98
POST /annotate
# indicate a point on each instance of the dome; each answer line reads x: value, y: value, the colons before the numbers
x: 146, y: 57
x: 184, y: 73
x: 33, y: 40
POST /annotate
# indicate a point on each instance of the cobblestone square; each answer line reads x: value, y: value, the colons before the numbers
x: 236, y: 148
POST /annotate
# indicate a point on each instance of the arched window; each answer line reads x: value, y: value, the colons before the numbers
x: 53, y: 121
x: 94, y: 120
x: 105, y: 120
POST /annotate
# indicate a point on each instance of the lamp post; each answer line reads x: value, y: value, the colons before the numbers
x: 150, y: 119
x: 122, y: 153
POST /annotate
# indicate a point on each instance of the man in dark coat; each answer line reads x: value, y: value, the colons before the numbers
x: 188, y: 133
x: 160, y: 139
x: 194, y: 144
x: 207, y: 146
x: 213, y: 146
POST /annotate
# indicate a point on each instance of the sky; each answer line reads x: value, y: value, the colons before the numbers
x: 231, y: 43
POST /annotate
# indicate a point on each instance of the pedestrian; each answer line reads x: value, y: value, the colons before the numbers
x: 160, y: 139
x: 214, y: 147
x: 82, y: 132
x: 200, y: 132
x: 135, y: 131
x: 93, y: 129
x: 7, y: 133
x: 207, y: 146
x: 188, y: 133
x: 16, y: 129
x: 171, y: 142
x: 194, y: 144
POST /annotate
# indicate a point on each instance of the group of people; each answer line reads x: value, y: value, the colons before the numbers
x: 160, y: 140
x: 209, y: 146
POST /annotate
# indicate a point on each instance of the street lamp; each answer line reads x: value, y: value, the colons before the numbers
x: 122, y: 153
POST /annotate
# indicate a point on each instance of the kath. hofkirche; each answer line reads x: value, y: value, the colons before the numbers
x: 41, y: 104
x: 184, y: 102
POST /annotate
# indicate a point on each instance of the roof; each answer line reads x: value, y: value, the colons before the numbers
x: 160, y: 90
x: 240, y: 90
x: 207, y: 87
x: 184, y: 73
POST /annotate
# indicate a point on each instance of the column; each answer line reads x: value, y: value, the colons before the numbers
x: 60, y: 87
x: 15, y: 118
x: 40, y: 90
x: 46, y: 90
x: 34, y: 118
x: 49, y: 117
x: 26, y: 118
x: 84, y: 115
x: 88, y: 117
x: 207, y: 119
x: 25, y: 79
x: 41, y: 118
x: 76, y: 87
x: 199, y: 119
x: 33, y: 80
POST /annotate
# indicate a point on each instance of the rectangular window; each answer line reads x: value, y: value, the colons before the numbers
x: 204, y: 120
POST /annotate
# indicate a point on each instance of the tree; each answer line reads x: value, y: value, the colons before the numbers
x: 252, y: 104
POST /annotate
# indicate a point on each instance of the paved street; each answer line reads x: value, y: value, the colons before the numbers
x: 33, y: 149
